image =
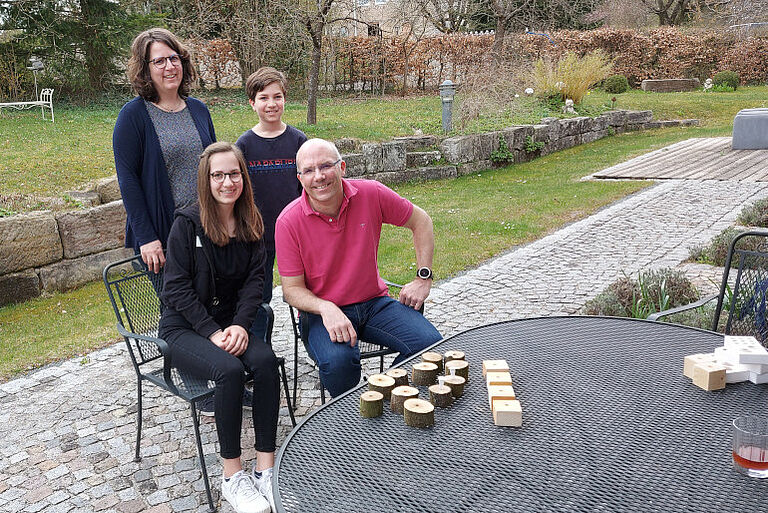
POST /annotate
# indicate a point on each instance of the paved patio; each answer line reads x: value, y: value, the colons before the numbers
x: 67, y: 430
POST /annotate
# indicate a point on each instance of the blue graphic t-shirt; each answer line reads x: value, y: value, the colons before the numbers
x: 272, y: 168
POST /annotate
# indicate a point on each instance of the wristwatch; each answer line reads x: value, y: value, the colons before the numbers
x: 425, y: 273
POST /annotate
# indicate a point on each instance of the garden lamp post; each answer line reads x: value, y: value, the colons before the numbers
x: 35, y: 65
x: 447, y: 91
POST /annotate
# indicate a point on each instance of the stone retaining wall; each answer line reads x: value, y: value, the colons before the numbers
x: 46, y: 251
x: 670, y: 85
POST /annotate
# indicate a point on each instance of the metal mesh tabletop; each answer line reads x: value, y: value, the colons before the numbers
x: 609, y: 424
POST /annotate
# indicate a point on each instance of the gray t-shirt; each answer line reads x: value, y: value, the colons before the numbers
x: 181, y: 147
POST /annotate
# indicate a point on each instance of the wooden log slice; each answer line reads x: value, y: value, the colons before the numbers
x: 456, y: 384
x: 381, y: 383
x: 400, y: 376
x: 400, y: 395
x: 371, y: 404
x: 424, y: 373
x: 418, y: 413
x: 440, y: 396
x: 454, y: 355
x: 458, y: 367
x: 435, y: 358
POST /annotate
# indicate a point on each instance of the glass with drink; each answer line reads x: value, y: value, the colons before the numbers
x: 750, y: 445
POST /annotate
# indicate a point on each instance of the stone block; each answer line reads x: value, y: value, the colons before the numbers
x: 689, y: 122
x: 28, y: 240
x: 422, y: 173
x: 564, y: 143
x: 574, y: 126
x: 436, y: 172
x: 541, y: 133
x: 69, y: 274
x: 372, y: 155
x: 485, y: 144
x: 615, y: 117
x: 421, y: 158
x: 458, y: 150
x: 474, y: 167
x: 347, y: 144
x: 417, y: 142
x: 670, y: 85
x: 639, y: 116
x: 108, y: 190
x: 82, y: 199
x: 515, y: 136
x: 750, y: 130
x: 18, y: 287
x: 589, y: 137
x: 601, y: 122
x: 92, y: 230
x: 355, y: 164
x: 393, y: 156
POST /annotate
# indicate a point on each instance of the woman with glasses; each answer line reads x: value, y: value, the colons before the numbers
x: 214, y: 278
x: 157, y: 140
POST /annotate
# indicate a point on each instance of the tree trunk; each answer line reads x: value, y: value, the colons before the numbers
x: 497, y: 50
x: 316, y: 31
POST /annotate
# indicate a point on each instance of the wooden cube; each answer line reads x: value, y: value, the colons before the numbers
x: 709, y: 376
x: 507, y: 413
x: 500, y: 393
x: 498, y: 378
x: 495, y: 366
x: 690, y: 361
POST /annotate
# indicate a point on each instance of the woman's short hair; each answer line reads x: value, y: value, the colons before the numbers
x: 249, y: 226
x: 138, y: 64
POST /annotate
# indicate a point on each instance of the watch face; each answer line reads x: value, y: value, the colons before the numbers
x: 424, y: 273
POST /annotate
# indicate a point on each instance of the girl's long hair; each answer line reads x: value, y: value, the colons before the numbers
x: 249, y: 226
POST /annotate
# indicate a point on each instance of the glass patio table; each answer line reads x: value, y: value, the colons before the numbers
x: 609, y: 424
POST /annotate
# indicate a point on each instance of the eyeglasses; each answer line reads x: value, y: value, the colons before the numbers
x: 323, y: 168
x: 160, y: 61
x: 234, y: 176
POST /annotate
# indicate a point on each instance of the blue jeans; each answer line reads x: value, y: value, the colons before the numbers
x: 259, y: 326
x: 381, y: 320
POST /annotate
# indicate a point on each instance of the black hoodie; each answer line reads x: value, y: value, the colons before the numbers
x: 191, y: 296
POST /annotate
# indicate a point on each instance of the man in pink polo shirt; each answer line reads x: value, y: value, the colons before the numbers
x: 327, y: 242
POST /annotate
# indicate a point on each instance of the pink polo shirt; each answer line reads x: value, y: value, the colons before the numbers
x: 339, y: 257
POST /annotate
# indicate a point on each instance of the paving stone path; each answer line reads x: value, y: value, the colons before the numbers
x: 67, y: 430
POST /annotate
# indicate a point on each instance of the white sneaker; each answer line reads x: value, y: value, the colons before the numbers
x: 241, y: 493
x: 264, y: 485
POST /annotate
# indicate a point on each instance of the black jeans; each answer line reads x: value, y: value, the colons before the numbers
x: 201, y: 357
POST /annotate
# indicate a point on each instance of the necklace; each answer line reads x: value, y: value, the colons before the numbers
x: 179, y: 106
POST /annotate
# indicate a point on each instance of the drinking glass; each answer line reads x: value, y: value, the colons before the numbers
x: 750, y: 445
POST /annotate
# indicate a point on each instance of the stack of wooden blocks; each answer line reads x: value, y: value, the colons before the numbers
x: 740, y: 359
x: 501, y: 396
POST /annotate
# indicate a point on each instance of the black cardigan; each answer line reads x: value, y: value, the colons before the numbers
x: 189, y: 289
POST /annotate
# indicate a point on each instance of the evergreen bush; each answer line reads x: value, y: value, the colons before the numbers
x: 726, y: 78
x: 616, y: 84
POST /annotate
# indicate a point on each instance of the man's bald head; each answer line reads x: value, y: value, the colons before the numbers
x: 312, y: 147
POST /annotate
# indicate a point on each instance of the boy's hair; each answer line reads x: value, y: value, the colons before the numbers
x: 261, y: 78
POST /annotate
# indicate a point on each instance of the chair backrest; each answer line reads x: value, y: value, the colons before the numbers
x: 46, y: 95
x: 134, y: 293
x: 746, y: 306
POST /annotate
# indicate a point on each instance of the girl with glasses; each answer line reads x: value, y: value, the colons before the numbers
x: 214, y: 278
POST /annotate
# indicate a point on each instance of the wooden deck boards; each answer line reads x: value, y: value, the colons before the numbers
x: 695, y: 159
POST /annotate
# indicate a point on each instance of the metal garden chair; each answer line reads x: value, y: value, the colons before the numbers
x: 367, y: 349
x: 132, y: 290
x: 746, y: 305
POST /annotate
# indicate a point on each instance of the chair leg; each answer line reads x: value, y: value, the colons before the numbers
x: 322, y: 393
x: 287, y: 392
x: 196, y: 424
x: 137, y: 456
x: 295, y: 371
x: 381, y: 364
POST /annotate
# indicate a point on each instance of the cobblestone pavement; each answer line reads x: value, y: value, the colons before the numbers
x: 67, y: 430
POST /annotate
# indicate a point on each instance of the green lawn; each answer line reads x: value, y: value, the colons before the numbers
x: 476, y: 216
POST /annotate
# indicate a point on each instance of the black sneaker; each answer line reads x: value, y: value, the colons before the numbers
x: 205, y: 406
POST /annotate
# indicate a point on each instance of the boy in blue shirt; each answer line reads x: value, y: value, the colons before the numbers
x: 270, y: 153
